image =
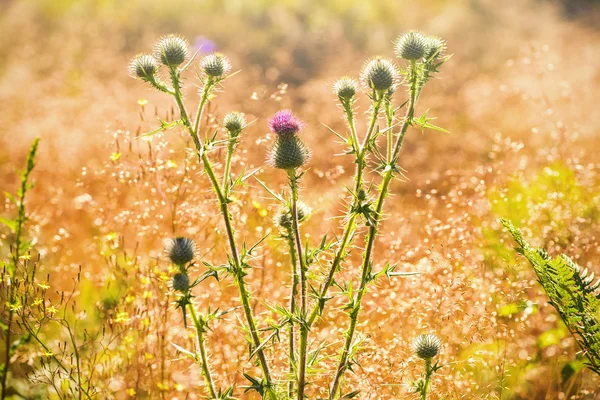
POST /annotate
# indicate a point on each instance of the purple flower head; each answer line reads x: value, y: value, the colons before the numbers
x: 205, y: 45
x: 285, y: 123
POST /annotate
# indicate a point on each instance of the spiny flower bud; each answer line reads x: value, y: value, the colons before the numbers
x: 426, y: 346
x: 379, y: 74
x: 181, y: 282
x: 215, y: 65
x: 285, y: 123
x: 143, y: 66
x: 171, y: 50
x: 283, y: 218
x: 345, y: 88
x: 234, y: 122
x: 411, y: 46
x: 181, y: 250
x: 289, y: 152
x: 434, y: 46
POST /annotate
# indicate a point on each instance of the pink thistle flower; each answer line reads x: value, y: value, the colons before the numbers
x: 285, y: 123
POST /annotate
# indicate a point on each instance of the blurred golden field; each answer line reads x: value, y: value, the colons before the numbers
x: 519, y: 97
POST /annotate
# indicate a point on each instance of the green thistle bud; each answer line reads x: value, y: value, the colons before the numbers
x: 283, y: 218
x: 426, y: 346
x: 215, y: 65
x: 434, y: 46
x: 143, y: 66
x: 171, y: 50
x: 379, y: 74
x: 289, y: 152
x: 181, y: 282
x: 411, y: 46
x: 234, y: 122
x: 345, y: 88
x: 181, y: 250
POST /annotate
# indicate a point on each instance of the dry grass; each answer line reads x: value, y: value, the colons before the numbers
x: 518, y: 96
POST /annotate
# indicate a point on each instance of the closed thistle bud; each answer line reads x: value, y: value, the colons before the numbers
x: 345, y: 88
x: 171, y: 50
x: 143, y: 66
x: 289, y: 152
x: 434, y: 46
x: 411, y: 46
x: 379, y: 74
x: 426, y: 346
x: 284, y: 220
x: 215, y: 65
x: 181, y: 282
x: 234, y: 122
x: 181, y: 250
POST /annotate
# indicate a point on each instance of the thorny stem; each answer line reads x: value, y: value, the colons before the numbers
x: 303, y: 325
x: 367, y: 265
x: 238, y: 269
x: 13, y: 269
x: 428, y: 373
x: 202, y: 349
x: 227, y: 170
x: 351, y: 215
x: 293, y: 295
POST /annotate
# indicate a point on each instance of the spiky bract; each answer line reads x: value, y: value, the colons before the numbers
x: 171, y: 50
x: 379, y: 74
x: 345, y: 88
x: 181, y: 282
x: 426, y: 346
x: 434, y: 47
x: 234, y: 122
x: 289, y: 152
x: 181, y: 250
x: 283, y: 218
x: 215, y: 65
x: 143, y: 66
x: 411, y: 46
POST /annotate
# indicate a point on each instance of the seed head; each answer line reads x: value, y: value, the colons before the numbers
x: 379, y: 74
x: 426, y: 346
x: 181, y: 282
x: 143, y: 66
x: 215, y: 65
x: 289, y: 152
x: 171, y: 50
x: 234, y: 122
x: 345, y: 88
x: 181, y: 250
x: 283, y: 218
x: 411, y: 46
x: 285, y: 123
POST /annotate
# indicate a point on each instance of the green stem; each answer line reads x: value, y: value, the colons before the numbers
x: 302, y: 355
x: 227, y: 171
x: 13, y: 269
x: 202, y: 349
x: 367, y: 265
x: 351, y: 214
x: 238, y: 270
x: 428, y: 373
x: 293, y: 295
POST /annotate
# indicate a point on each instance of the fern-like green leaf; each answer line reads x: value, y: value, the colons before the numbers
x: 572, y: 293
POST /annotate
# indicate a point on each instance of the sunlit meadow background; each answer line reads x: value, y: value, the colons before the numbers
x: 519, y: 96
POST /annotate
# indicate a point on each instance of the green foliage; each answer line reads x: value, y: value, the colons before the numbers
x: 572, y: 293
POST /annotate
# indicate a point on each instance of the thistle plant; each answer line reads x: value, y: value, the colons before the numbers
x: 426, y: 347
x: 376, y: 152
